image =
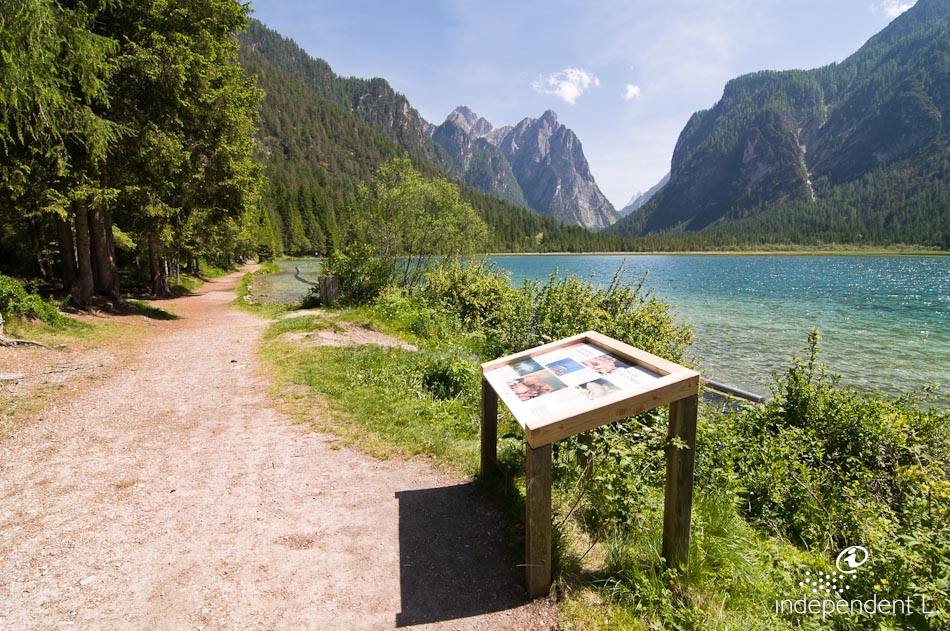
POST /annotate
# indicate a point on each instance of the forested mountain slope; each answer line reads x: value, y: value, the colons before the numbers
x: 322, y: 135
x: 853, y: 152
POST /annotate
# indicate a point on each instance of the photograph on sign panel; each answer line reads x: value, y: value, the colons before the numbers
x: 525, y: 366
x: 606, y: 364
x: 535, y: 385
x: 563, y: 366
x: 597, y: 388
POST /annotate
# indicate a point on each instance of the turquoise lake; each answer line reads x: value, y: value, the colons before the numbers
x: 885, y: 320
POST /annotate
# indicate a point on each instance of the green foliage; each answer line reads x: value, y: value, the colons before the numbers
x: 184, y: 168
x: 513, y: 319
x: 136, y: 113
x: 480, y: 295
x: 53, y: 134
x: 826, y: 467
x: 448, y: 376
x: 17, y: 302
x: 361, y: 273
x: 832, y: 466
x: 408, y: 220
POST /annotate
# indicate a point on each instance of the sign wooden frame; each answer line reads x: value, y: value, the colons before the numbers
x: 670, y: 384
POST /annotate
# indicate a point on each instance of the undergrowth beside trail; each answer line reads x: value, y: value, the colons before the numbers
x: 780, y: 488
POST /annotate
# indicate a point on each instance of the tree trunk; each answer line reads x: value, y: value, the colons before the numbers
x: 37, y: 240
x: 84, y: 285
x: 157, y: 269
x: 67, y: 253
x: 104, y: 270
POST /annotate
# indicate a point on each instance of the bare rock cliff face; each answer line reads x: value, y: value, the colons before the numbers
x: 545, y: 158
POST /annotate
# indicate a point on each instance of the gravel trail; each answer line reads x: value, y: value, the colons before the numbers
x: 172, y: 494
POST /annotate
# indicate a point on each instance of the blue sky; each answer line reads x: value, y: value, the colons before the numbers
x: 625, y: 75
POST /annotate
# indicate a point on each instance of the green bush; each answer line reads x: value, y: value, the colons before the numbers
x: 513, y: 319
x: 825, y: 467
x: 16, y: 302
x: 448, y: 376
x: 416, y: 316
x: 361, y: 273
x: 481, y: 295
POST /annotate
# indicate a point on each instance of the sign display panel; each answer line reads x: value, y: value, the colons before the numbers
x: 574, y: 385
x: 567, y: 379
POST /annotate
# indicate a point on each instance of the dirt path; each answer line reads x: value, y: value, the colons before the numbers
x: 172, y: 495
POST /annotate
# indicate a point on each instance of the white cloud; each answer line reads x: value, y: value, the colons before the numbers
x: 567, y: 84
x: 892, y: 8
x: 631, y: 92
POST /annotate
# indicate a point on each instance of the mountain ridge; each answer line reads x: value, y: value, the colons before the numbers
x: 316, y: 148
x: 853, y: 151
x: 545, y: 157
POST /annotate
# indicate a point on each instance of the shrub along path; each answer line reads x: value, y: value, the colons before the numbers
x: 173, y: 495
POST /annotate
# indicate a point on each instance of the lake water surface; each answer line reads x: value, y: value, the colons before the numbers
x: 885, y: 320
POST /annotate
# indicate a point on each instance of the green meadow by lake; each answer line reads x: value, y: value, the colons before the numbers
x: 885, y: 320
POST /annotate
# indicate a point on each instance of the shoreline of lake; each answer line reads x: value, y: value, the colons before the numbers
x: 883, y: 316
x: 817, y: 252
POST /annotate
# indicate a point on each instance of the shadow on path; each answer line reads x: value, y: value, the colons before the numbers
x: 453, y: 561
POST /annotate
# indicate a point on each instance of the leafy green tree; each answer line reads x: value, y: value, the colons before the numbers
x: 185, y: 165
x: 53, y: 136
x: 408, y: 220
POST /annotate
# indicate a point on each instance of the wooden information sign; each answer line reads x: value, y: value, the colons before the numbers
x: 573, y: 385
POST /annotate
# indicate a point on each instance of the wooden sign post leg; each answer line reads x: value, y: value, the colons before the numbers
x: 489, y: 430
x: 677, y: 509
x: 538, y: 521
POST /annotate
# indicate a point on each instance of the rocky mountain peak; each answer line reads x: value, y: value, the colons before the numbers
x: 545, y: 160
x: 469, y: 121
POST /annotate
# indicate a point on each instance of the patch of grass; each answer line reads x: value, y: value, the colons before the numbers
x: 301, y: 324
x: 65, y: 331
x: 375, y: 399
